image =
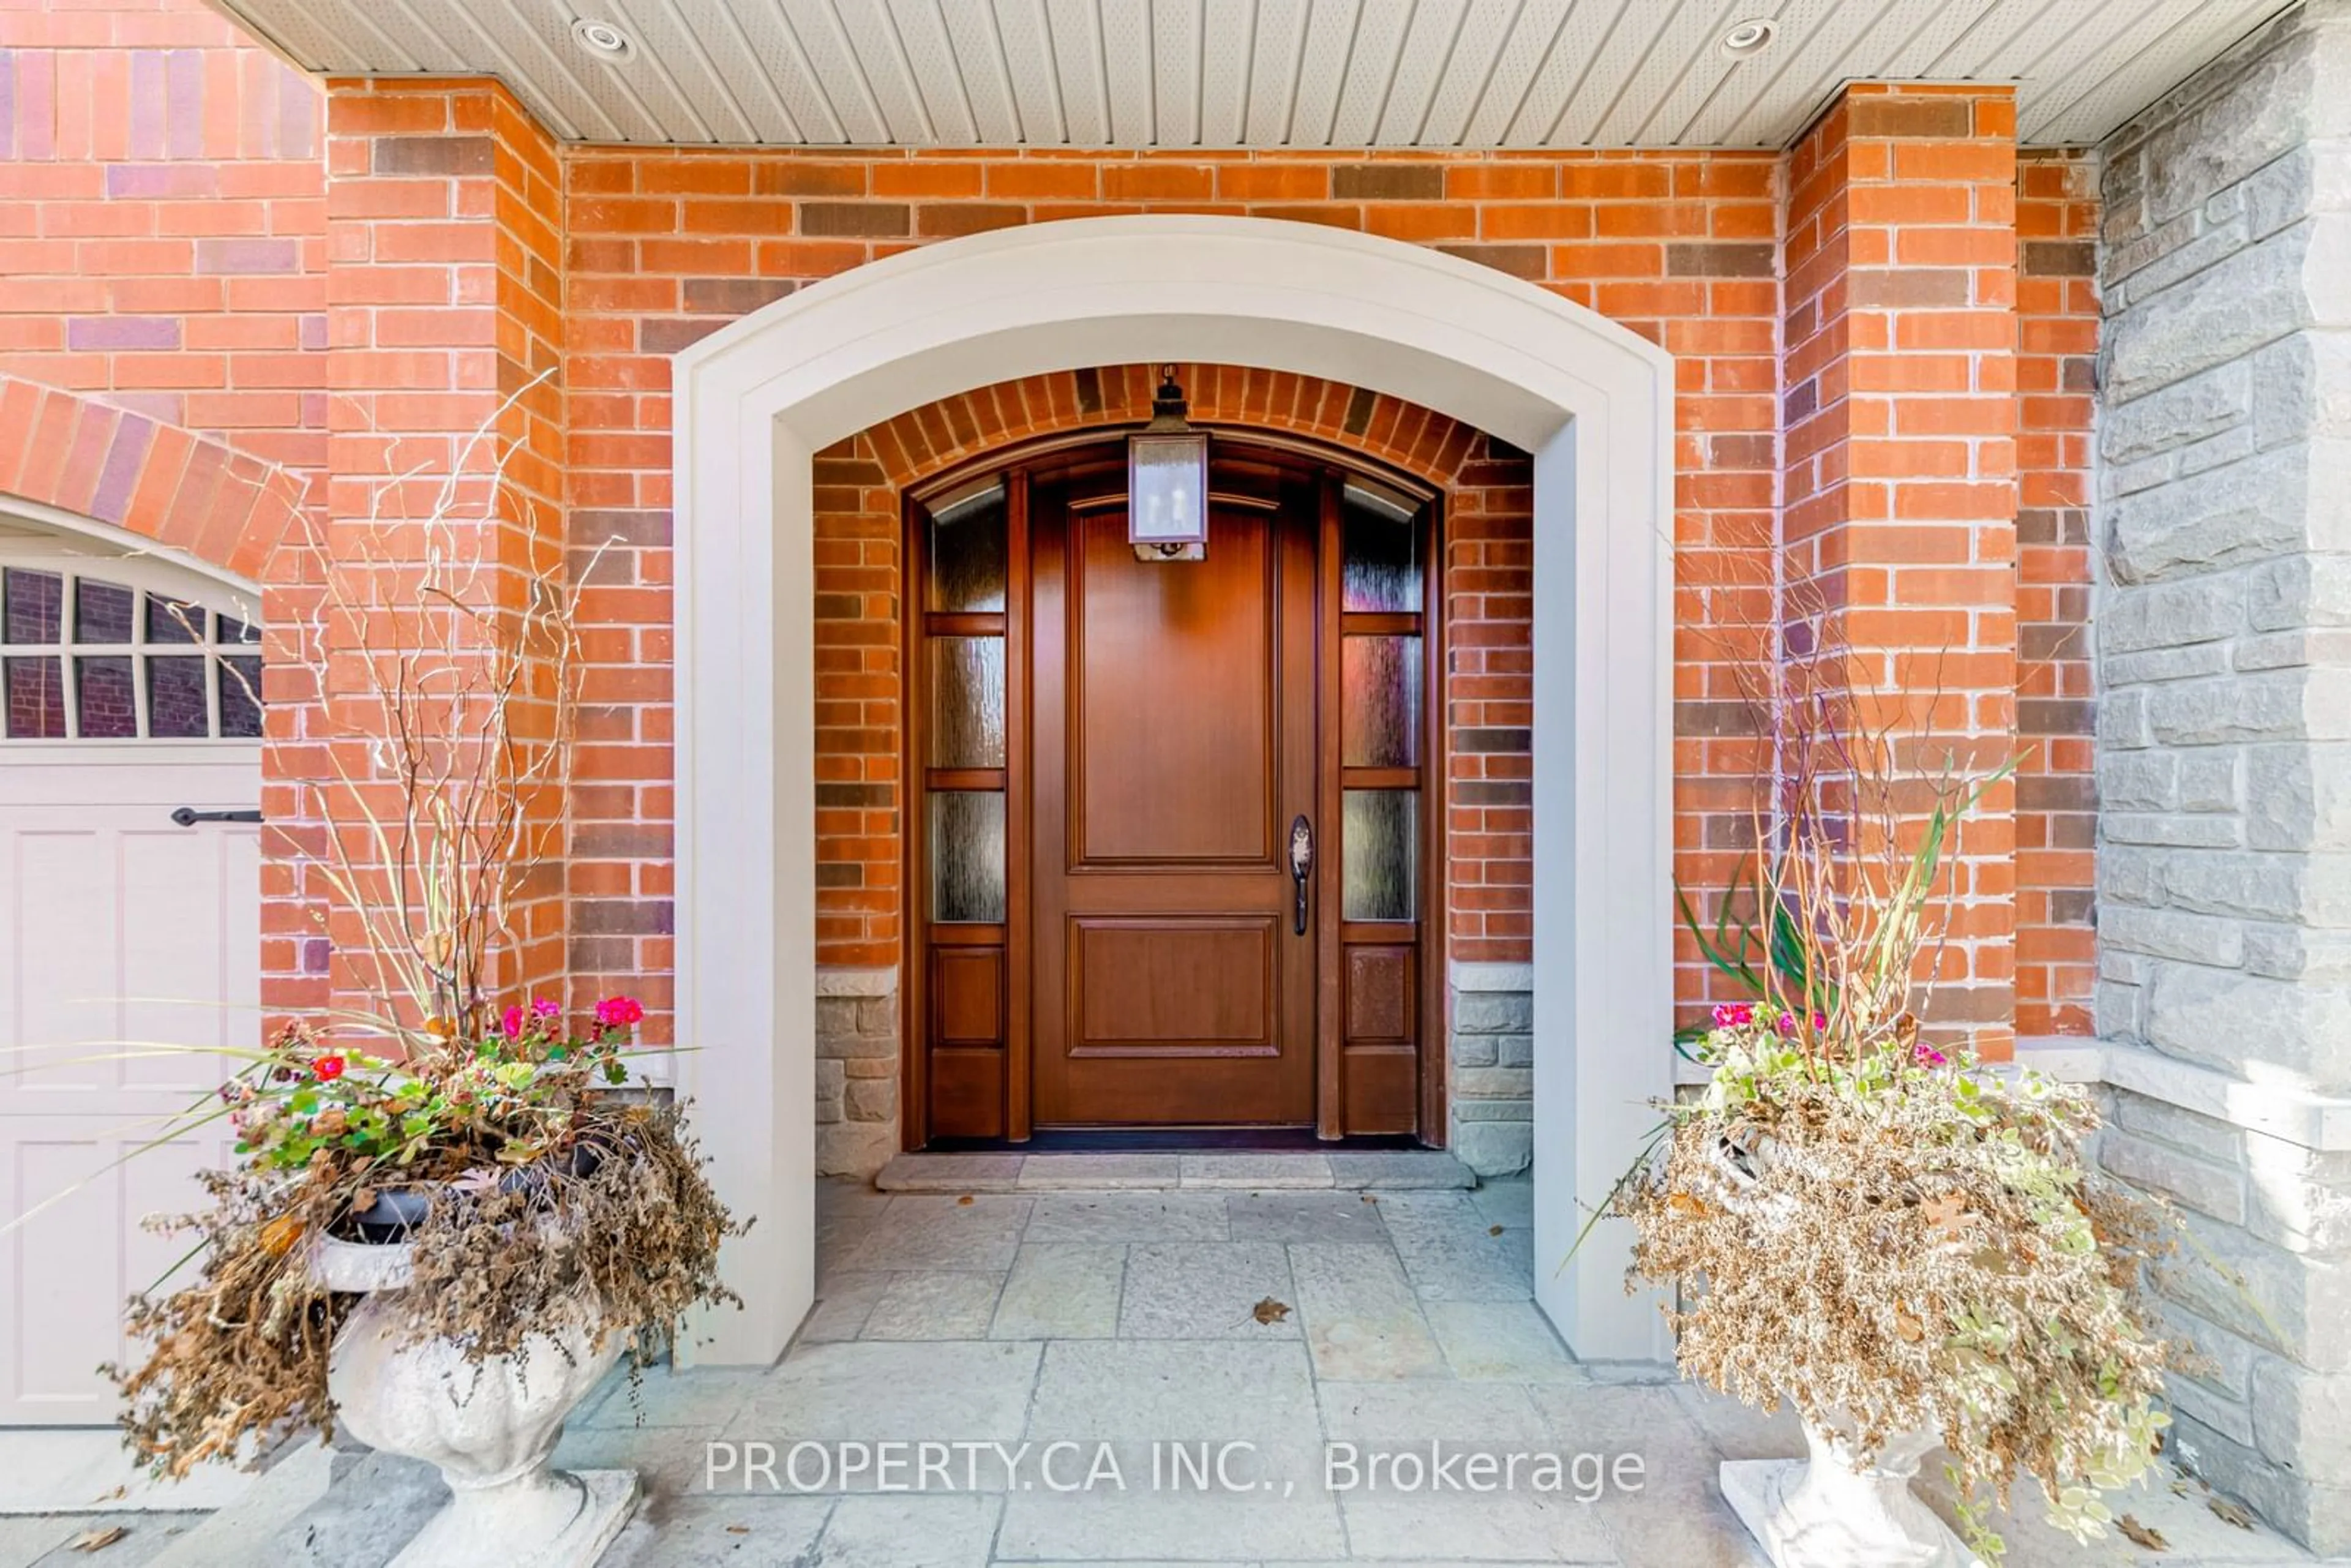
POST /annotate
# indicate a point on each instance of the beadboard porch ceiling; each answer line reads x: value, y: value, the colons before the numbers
x: 1257, y: 73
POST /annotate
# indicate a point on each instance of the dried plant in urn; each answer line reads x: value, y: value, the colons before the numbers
x: 1857, y: 1218
x: 453, y: 1211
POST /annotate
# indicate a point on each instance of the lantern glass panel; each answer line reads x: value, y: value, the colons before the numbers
x: 1167, y: 493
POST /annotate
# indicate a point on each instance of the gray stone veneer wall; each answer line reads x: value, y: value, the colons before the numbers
x: 1493, y: 1014
x: 856, y: 1071
x: 2224, y: 651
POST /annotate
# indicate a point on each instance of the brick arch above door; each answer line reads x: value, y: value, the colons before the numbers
x: 928, y: 440
x: 1487, y: 486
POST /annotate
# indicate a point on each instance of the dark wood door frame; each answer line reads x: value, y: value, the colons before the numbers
x: 1101, y: 454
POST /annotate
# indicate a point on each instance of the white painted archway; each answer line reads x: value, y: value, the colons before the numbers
x: 1590, y: 400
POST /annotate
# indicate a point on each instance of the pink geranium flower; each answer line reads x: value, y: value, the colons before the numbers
x: 619, y: 1012
x: 1733, y: 1015
x: 512, y: 1022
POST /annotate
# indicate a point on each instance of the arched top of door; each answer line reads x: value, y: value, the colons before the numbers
x: 1239, y: 457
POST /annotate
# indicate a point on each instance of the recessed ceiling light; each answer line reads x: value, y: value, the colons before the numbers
x: 603, y: 39
x: 1749, y: 37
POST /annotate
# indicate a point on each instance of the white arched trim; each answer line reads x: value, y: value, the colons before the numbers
x: 30, y: 528
x: 1590, y: 400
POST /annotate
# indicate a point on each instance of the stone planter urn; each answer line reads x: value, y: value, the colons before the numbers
x: 1821, y: 1511
x: 489, y: 1425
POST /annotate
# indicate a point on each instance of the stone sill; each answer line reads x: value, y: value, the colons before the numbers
x: 845, y: 982
x: 1509, y: 979
x: 2298, y: 1115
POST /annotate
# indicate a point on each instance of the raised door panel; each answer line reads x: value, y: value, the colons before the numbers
x: 1172, y: 750
x: 1173, y: 988
x: 967, y: 996
x: 1383, y: 1008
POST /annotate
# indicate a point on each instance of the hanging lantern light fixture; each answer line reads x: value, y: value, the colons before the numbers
x: 1168, y: 480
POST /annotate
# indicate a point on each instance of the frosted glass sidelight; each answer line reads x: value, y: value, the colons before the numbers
x: 1380, y: 558
x: 1381, y: 866
x: 967, y: 702
x: 968, y: 556
x: 1381, y: 679
x: 966, y: 857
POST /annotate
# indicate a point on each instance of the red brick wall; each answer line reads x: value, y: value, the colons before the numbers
x: 1489, y: 591
x: 163, y: 253
x: 1900, y: 521
x: 665, y: 247
x: 144, y: 215
x: 2056, y: 792
x: 445, y: 334
x: 162, y: 221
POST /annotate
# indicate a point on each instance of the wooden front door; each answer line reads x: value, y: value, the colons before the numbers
x: 1109, y: 761
x: 1175, y: 743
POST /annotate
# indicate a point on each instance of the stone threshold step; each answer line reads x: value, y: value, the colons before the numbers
x: 1344, y: 1169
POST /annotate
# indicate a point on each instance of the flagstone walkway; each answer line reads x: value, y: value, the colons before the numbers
x: 1277, y: 1328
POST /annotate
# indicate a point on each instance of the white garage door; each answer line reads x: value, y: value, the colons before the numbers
x: 127, y: 700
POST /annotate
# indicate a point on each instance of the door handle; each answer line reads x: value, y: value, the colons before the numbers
x: 188, y: 816
x: 1302, y: 865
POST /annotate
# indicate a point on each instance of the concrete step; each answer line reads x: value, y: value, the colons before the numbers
x: 317, y: 1507
x: 227, y: 1537
x: 1234, y: 1170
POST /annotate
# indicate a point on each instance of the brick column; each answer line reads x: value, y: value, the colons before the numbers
x: 444, y: 301
x: 1900, y: 420
x: 2056, y: 789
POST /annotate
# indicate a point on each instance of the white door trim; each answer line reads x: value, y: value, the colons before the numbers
x: 1592, y: 401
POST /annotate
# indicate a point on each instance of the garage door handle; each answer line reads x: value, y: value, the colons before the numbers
x: 188, y: 816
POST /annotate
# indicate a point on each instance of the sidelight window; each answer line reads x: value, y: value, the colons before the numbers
x: 1384, y: 718
x: 965, y: 727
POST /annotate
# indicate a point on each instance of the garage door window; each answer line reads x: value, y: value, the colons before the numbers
x: 84, y: 658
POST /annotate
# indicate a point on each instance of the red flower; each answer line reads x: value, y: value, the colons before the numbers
x: 619, y: 1012
x: 328, y: 1067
